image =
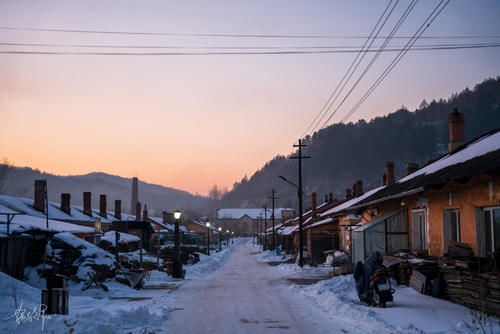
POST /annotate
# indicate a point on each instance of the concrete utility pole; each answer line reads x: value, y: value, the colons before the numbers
x: 299, y: 193
x: 273, y: 197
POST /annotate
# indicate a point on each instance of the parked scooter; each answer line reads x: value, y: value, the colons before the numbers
x: 373, y: 282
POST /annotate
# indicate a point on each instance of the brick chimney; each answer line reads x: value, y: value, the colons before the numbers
x: 330, y: 197
x: 65, y: 203
x: 138, y: 211
x: 102, y: 206
x: 354, y: 190
x: 326, y: 198
x: 314, y: 204
x: 145, y: 213
x: 348, y: 193
x: 384, y: 179
x: 359, y: 187
x: 39, y: 198
x: 118, y: 209
x: 389, y: 173
x: 411, y: 168
x: 456, y: 123
x: 87, y: 206
x: 165, y: 217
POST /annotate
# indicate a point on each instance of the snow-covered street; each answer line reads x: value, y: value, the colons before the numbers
x: 234, y: 291
x: 245, y: 296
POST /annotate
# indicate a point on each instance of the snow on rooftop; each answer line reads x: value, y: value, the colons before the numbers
x: 351, y: 202
x: 124, y: 238
x: 22, y: 223
x: 321, y: 222
x: 481, y: 146
x: 6, y: 210
x: 159, y: 221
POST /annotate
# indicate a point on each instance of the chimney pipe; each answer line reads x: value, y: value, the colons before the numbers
x: 118, y: 209
x: 314, y: 204
x: 354, y: 190
x: 138, y: 211
x: 359, y: 187
x: 348, y: 193
x: 65, y: 203
x: 389, y: 171
x: 330, y: 197
x: 87, y: 208
x: 145, y: 213
x: 326, y: 198
x: 411, y: 168
x: 456, y: 123
x: 39, y: 198
x: 102, y: 206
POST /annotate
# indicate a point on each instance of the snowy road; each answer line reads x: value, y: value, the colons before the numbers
x: 241, y: 297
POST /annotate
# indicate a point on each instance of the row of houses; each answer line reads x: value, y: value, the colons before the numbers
x: 455, y: 198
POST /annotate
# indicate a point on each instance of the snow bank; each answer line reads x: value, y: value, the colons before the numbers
x: 208, y: 264
x: 411, y: 312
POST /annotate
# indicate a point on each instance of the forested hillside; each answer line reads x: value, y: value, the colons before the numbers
x: 343, y: 153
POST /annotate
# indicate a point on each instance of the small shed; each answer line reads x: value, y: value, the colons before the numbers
x: 384, y: 234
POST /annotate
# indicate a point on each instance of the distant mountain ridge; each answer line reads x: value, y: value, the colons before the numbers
x: 20, y: 181
x: 343, y: 153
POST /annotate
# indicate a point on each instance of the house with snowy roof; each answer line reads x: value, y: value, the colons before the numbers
x: 455, y: 198
x: 245, y: 221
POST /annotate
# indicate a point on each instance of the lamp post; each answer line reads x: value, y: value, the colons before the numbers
x: 227, y: 238
x: 220, y: 239
x: 301, y: 240
x: 177, y: 257
x: 232, y: 237
x: 207, y: 224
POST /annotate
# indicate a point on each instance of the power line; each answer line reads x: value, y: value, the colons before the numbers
x: 118, y: 32
x: 400, y: 55
x: 69, y: 53
x: 375, y: 57
x: 346, y: 47
x: 350, y: 67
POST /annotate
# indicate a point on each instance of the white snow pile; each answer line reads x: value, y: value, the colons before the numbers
x: 411, y: 311
x: 208, y: 264
x: 124, y: 238
x: 91, y: 259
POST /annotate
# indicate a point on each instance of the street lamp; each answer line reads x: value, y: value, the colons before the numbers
x: 232, y: 237
x: 301, y: 239
x: 227, y: 238
x: 207, y: 224
x: 220, y: 239
x: 177, y: 272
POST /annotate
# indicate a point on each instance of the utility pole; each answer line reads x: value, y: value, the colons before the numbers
x: 265, y: 227
x: 259, y: 229
x: 299, y: 194
x: 273, y: 197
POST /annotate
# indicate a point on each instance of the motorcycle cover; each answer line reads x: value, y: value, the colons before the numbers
x: 363, y: 272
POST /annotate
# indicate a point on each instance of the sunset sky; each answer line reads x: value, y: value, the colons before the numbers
x: 189, y: 122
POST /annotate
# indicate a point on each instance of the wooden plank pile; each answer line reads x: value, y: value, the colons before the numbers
x: 470, y: 280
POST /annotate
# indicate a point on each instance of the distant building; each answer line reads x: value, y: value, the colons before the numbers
x: 244, y: 222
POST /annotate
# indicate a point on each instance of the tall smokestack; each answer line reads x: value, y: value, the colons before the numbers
x: 87, y: 206
x: 135, y: 195
x: 456, y: 123
x: 118, y: 209
x: 102, y: 206
x: 65, y: 203
x: 389, y: 173
x: 39, y: 198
